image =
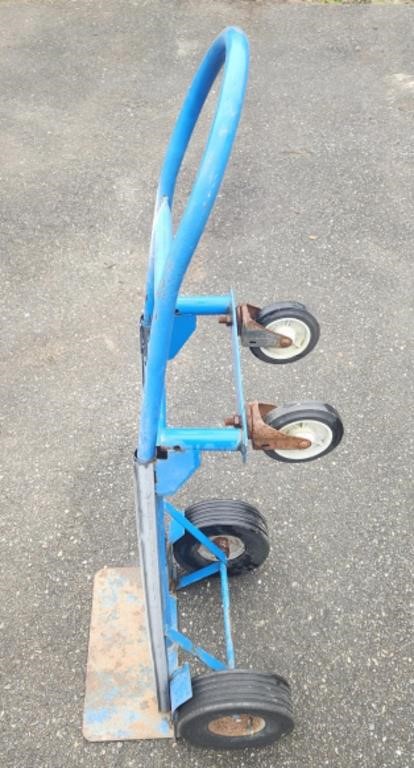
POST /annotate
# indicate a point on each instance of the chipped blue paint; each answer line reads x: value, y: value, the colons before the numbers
x: 181, y: 688
x: 112, y: 692
x: 165, y: 727
x: 95, y: 716
x: 132, y: 716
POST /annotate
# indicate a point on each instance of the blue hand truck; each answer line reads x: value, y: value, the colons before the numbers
x: 226, y: 707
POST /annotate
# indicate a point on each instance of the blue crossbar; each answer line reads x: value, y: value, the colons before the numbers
x: 200, y: 438
x: 201, y: 573
x: 187, y: 645
x: 204, y: 305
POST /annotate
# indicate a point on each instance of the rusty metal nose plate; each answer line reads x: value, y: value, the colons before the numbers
x: 120, y: 699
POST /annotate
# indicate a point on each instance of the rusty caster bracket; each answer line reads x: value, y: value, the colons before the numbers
x: 263, y: 436
x: 251, y: 333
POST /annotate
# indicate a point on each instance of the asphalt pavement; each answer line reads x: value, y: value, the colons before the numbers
x: 316, y: 206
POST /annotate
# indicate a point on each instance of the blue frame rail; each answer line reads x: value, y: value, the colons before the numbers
x: 167, y: 456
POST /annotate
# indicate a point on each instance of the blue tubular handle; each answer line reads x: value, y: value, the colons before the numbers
x: 231, y: 49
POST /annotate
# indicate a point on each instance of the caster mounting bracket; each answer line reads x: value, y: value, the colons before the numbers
x: 263, y: 436
x: 252, y: 333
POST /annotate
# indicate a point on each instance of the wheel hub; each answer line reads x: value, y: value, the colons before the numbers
x: 293, y: 329
x: 237, y: 725
x: 232, y: 546
x: 317, y: 433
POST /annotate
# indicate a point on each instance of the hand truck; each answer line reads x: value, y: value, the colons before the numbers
x: 226, y: 707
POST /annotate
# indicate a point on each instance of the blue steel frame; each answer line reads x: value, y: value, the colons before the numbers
x: 166, y: 457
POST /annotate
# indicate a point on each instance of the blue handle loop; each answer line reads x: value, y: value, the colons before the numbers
x: 231, y: 48
x: 174, y: 252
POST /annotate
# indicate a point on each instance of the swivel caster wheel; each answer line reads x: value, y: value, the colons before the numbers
x: 235, y: 709
x: 291, y: 319
x: 234, y: 526
x: 314, y: 421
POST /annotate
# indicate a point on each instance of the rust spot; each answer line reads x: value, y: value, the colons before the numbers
x: 223, y: 544
x: 262, y: 435
x: 254, y: 334
x: 120, y: 698
x: 237, y: 725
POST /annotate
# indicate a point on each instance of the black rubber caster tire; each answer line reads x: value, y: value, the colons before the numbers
x: 309, y: 418
x: 235, y: 709
x: 241, y: 524
x: 290, y: 318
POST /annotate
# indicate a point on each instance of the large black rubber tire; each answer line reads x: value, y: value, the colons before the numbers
x: 315, y: 411
x: 287, y: 310
x: 225, y: 518
x: 235, y: 709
